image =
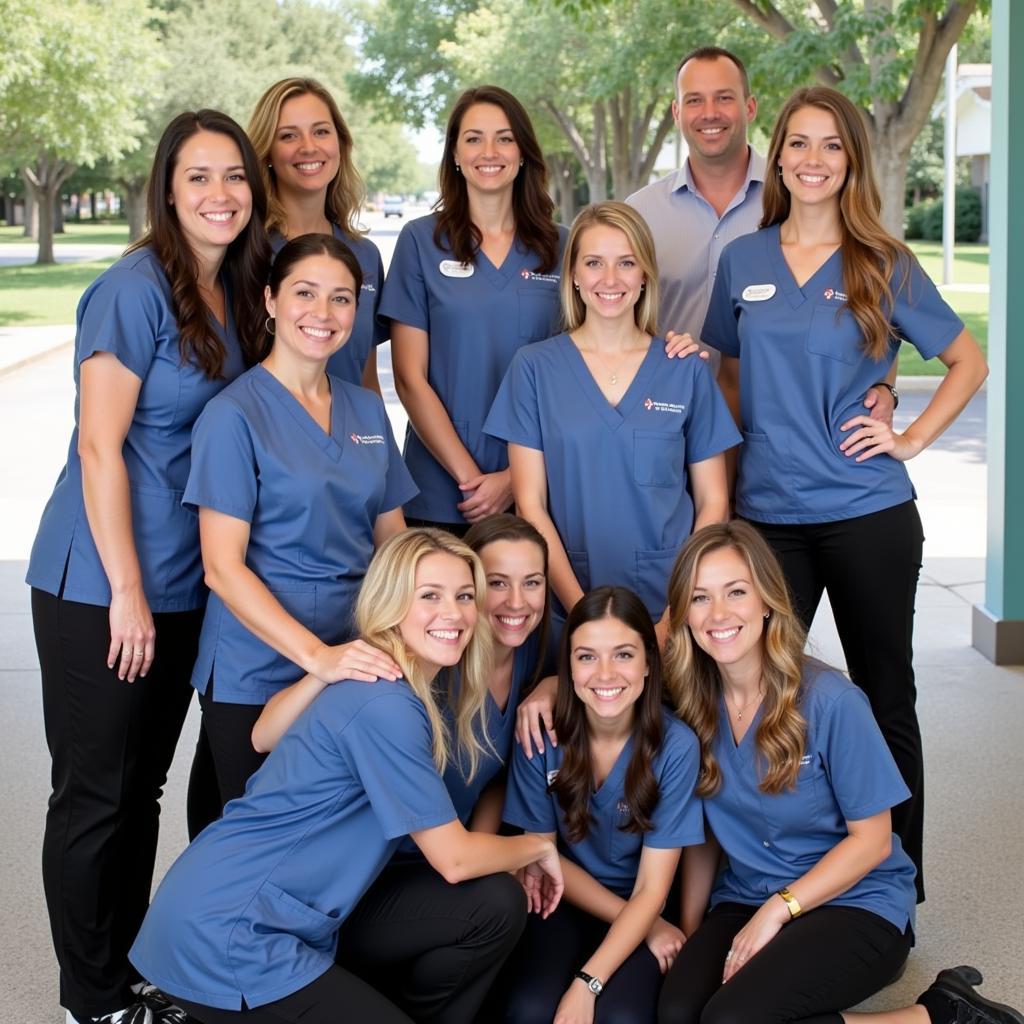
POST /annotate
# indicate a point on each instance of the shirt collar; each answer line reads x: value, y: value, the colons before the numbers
x: 755, y: 172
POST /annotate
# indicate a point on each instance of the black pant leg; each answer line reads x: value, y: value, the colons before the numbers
x: 436, y: 947
x: 821, y: 963
x: 871, y: 565
x: 794, y: 547
x: 228, y: 729
x: 203, y: 804
x: 111, y: 744
x: 336, y: 997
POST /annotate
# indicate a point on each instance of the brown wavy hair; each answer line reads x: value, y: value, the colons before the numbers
x: 345, y: 194
x: 574, y: 784
x: 245, y: 264
x: 872, y: 258
x: 532, y: 206
x: 692, y: 675
x: 624, y: 218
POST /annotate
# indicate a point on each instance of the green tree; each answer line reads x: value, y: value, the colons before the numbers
x: 77, y: 79
x: 888, y: 56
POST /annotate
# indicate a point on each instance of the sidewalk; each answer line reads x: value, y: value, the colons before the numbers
x: 20, y: 346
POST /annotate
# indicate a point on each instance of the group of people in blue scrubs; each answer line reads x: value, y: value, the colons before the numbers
x: 361, y: 668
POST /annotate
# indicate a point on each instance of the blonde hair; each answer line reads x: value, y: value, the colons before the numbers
x: 345, y: 194
x: 384, y: 601
x: 624, y: 218
x: 871, y: 256
x: 692, y: 675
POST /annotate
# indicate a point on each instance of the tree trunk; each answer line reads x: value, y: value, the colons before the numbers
x: 891, y: 158
x: 135, y: 207
x: 31, y: 229
x: 563, y: 181
x: 58, y: 214
x: 44, y: 181
x: 92, y: 205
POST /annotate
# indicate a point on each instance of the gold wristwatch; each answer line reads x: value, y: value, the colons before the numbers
x: 792, y: 903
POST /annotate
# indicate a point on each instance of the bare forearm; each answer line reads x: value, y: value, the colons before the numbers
x: 475, y: 854
x: 282, y: 710
x: 560, y: 573
x: 700, y: 865
x: 586, y: 892
x: 108, y: 508
x: 432, y: 424
x: 627, y: 931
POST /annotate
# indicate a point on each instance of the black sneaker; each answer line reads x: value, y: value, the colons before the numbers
x: 164, y: 1011
x: 957, y: 985
x: 137, y: 1013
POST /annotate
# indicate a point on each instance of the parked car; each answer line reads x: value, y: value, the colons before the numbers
x: 394, y: 206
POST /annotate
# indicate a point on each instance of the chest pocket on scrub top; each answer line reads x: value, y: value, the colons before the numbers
x: 658, y: 458
x: 539, y: 310
x: 835, y: 334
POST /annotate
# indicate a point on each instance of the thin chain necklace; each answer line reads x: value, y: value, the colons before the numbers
x: 739, y: 711
x: 613, y: 372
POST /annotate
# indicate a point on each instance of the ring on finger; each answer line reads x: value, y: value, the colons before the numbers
x: 730, y: 954
x: 138, y: 652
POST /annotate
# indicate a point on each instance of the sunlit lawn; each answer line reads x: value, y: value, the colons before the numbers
x: 31, y: 295
x: 101, y: 233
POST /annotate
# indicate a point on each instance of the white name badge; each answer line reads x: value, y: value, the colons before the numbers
x: 758, y: 292
x: 453, y: 268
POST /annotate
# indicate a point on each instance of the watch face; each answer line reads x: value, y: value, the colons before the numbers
x: 595, y: 986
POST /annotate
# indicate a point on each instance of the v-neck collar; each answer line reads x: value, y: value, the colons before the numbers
x: 509, y: 269
x: 614, y: 782
x: 324, y: 440
x: 796, y: 294
x: 741, y: 753
x: 613, y: 415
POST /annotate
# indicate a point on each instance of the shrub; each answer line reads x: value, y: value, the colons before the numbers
x: 924, y: 220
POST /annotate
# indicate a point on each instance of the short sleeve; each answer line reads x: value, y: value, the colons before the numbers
x: 679, y: 814
x: 388, y: 746
x: 223, y: 474
x: 860, y: 767
x: 710, y: 428
x: 721, y: 329
x: 381, y: 328
x: 405, y: 296
x: 922, y: 316
x: 528, y: 804
x: 515, y: 411
x: 399, y: 486
x: 123, y: 314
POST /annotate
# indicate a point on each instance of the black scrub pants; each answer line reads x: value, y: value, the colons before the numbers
x: 415, y: 948
x: 870, y: 566
x: 546, y: 960
x: 827, y: 960
x: 111, y: 744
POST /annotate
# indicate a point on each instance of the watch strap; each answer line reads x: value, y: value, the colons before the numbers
x: 594, y: 984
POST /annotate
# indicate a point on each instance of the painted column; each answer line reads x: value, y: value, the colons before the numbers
x: 998, y: 623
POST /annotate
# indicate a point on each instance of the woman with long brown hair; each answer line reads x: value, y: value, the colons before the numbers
x: 468, y: 286
x: 618, y: 794
x: 815, y: 306
x: 305, y: 152
x: 812, y: 906
x: 117, y: 579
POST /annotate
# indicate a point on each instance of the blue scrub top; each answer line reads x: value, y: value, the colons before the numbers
x: 617, y: 479
x: 311, y: 500
x: 367, y: 332
x: 251, y: 910
x: 501, y: 725
x: 128, y: 311
x: 608, y: 854
x: 477, y: 317
x: 803, y: 373
x: 846, y: 774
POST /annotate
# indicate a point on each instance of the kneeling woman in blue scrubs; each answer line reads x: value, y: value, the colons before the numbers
x: 117, y: 582
x: 618, y: 792
x: 245, y: 926
x: 297, y: 478
x: 467, y: 287
x: 814, y: 306
x: 313, y: 187
x: 607, y: 436
x: 814, y: 908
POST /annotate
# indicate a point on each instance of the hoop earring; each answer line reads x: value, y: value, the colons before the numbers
x: 458, y: 168
x: 269, y: 326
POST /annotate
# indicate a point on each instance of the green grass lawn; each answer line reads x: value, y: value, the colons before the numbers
x: 31, y: 295
x: 101, y: 233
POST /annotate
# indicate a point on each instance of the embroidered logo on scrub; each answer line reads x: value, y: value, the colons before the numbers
x: 366, y: 438
x: 453, y: 268
x: 652, y: 406
x: 532, y: 275
x: 758, y: 292
x: 833, y: 293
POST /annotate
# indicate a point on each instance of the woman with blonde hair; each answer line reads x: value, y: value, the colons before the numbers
x: 815, y: 306
x: 813, y: 910
x: 608, y: 438
x: 313, y: 187
x: 246, y: 924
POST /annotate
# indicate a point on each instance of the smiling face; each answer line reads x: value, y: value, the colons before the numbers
x: 516, y: 589
x: 711, y: 111
x: 314, y: 308
x: 609, y: 668
x: 486, y: 150
x: 608, y: 272
x: 813, y: 159
x: 440, y: 620
x: 727, y: 614
x: 210, y: 193
x: 305, y: 153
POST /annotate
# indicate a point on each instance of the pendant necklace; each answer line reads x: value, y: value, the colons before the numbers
x: 739, y: 711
